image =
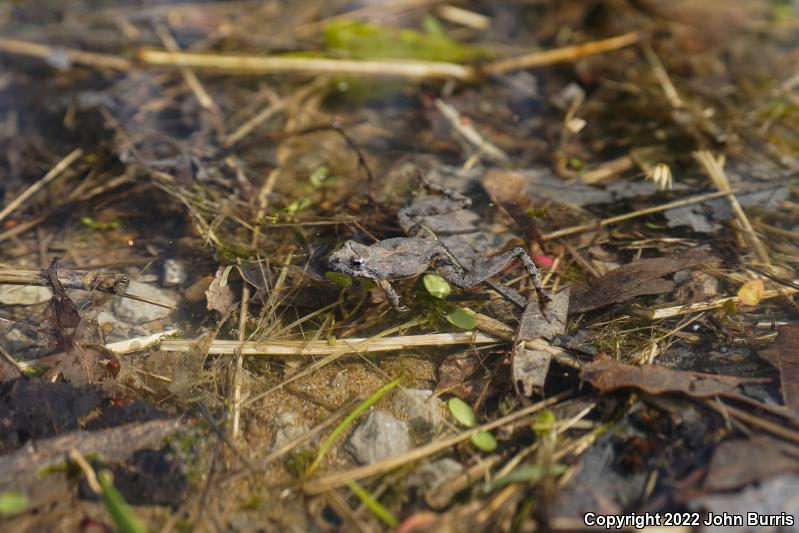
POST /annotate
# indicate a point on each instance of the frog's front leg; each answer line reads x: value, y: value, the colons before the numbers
x: 391, y: 294
x: 488, y: 268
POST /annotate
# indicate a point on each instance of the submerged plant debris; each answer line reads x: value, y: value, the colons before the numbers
x: 178, y: 350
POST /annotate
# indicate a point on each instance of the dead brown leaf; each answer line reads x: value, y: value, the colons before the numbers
x: 530, y: 367
x: 609, y: 375
x: 220, y: 297
x: 63, y: 311
x: 634, y: 279
x: 784, y: 356
x: 457, y: 375
x: 739, y: 462
x: 82, y: 364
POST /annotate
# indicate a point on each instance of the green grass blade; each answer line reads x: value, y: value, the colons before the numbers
x: 373, y: 505
x: 118, y: 508
x: 369, y: 402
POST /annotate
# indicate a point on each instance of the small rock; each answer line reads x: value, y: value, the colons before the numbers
x: 15, y: 341
x: 380, y: 436
x: 24, y: 294
x: 339, y: 381
x: 288, y: 428
x: 135, y: 312
x: 429, y: 476
x: 174, y: 273
x: 106, y: 320
x: 424, y: 413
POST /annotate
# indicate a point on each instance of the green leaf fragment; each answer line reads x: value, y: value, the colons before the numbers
x: 432, y: 27
x: 462, y: 318
x: 544, y: 422
x: 319, y: 176
x: 12, y: 503
x: 341, y: 279
x: 462, y: 412
x: 437, y: 286
x: 367, y: 40
x: 485, y: 441
x: 298, y: 205
x: 523, y: 474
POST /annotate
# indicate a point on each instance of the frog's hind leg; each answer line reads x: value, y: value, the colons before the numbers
x: 488, y: 268
x: 508, y: 293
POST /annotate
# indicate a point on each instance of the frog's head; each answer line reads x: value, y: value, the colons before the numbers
x: 350, y: 259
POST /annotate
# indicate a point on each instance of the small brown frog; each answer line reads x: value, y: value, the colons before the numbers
x: 405, y: 257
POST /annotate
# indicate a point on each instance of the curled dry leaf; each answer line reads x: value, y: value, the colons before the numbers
x: 609, y: 375
x: 784, y: 356
x: 634, y: 279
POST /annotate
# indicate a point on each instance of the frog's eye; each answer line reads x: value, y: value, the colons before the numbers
x: 357, y: 262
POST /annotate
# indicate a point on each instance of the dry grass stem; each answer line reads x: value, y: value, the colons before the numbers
x: 91, y: 476
x: 138, y: 344
x: 464, y: 17
x: 758, y: 421
x: 634, y: 214
x: 248, y: 127
x: 662, y: 76
x: 318, y: 486
x: 468, y: 132
x: 559, y: 55
x: 609, y: 169
x: 54, y: 172
x: 251, y: 65
x: 676, y: 310
x: 60, y: 55
x: 715, y: 172
x: 502, y: 331
x: 341, y: 346
x: 10, y: 359
x: 203, y: 98
x: 239, y: 363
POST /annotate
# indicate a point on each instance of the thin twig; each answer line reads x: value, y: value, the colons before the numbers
x: 635, y: 214
x: 715, y: 172
x: 468, y: 132
x: 13, y: 362
x: 56, y: 171
x: 87, y: 280
x: 88, y: 471
x: 778, y: 430
x: 248, y: 127
x: 559, y: 55
x: 672, y: 311
x: 63, y: 55
x: 203, y: 98
x: 663, y: 77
